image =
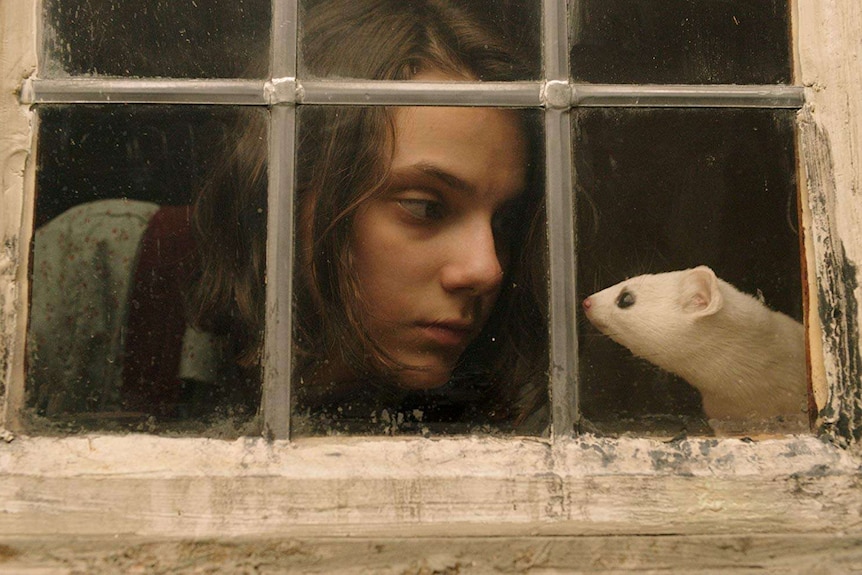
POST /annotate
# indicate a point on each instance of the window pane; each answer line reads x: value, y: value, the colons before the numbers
x: 143, y: 314
x: 488, y: 40
x: 420, y: 288
x: 666, y: 190
x: 680, y: 41
x: 189, y: 39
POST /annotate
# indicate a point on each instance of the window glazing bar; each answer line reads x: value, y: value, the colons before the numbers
x: 555, y: 47
x: 562, y: 327
x: 144, y: 91
x: 277, y: 356
x: 689, y: 96
x: 281, y: 90
x: 278, y: 336
x: 562, y: 310
x: 408, y: 93
x: 508, y: 94
x: 283, y: 38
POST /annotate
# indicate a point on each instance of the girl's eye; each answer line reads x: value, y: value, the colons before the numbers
x: 422, y: 209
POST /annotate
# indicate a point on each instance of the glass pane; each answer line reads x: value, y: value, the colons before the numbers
x: 188, y: 39
x: 146, y: 294
x: 669, y: 190
x: 680, y: 41
x: 420, y: 286
x: 489, y: 40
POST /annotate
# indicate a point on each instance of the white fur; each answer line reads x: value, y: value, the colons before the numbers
x: 747, y: 361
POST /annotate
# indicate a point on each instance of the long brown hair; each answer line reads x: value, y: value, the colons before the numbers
x: 344, y: 155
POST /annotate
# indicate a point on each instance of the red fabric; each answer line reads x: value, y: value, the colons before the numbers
x: 156, y: 318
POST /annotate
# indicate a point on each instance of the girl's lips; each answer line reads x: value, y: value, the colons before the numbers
x: 448, y: 334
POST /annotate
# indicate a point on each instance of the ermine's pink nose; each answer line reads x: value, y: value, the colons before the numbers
x: 587, y: 303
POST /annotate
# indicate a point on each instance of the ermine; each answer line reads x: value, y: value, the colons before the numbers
x: 747, y: 361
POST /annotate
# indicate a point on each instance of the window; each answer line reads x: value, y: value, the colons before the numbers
x: 512, y: 467
x: 168, y: 250
x: 161, y: 295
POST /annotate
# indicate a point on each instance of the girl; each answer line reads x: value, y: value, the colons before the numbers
x: 419, y: 280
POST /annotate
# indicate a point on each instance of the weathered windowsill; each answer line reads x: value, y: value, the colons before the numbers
x: 162, y: 487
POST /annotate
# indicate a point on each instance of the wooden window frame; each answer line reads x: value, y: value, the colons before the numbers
x: 575, y: 487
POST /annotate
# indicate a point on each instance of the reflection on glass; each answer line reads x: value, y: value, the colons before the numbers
x: 146, y: 298
x: 200, y: 39
x: 668, y: 190
x: 686, y: 42
x: 391, y: 39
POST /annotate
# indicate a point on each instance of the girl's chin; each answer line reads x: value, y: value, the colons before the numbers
x: 419, y: 379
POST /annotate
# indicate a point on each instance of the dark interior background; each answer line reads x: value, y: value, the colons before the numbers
x: 159, y: 154
x: 204, y: 38
x: 155, y: 38
x: 680, y: 41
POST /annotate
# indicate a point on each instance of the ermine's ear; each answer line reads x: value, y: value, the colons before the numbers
x: 699, y: 293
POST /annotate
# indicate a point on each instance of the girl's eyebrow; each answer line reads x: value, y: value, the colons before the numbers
x: 430, y: 170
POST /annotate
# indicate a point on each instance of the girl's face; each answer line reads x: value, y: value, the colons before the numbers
x: 430, y: 252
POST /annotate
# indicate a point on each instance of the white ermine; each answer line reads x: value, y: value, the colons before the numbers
x: 747, y: 361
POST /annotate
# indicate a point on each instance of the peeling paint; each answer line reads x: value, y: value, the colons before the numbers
x: 841, y: 416
x: 796, y: 450
x: 607, y: 454
x: 828, y: 44
x: 707, y: 445
x: 819, y: 470
x: 673, y: 461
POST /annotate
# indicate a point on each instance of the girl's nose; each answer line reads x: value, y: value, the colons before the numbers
x: 473, y: 263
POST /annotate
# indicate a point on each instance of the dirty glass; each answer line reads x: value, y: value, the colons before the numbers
x: 420, y: 285
x: 667, y: 190
x: 164, y: 38
x: 680, y: 41
x: 385, y: 39
x: 133, y: 211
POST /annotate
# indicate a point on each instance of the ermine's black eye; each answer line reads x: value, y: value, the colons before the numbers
x: 625, y: 299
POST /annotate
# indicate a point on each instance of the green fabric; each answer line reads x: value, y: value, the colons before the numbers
x: 83, y: 263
